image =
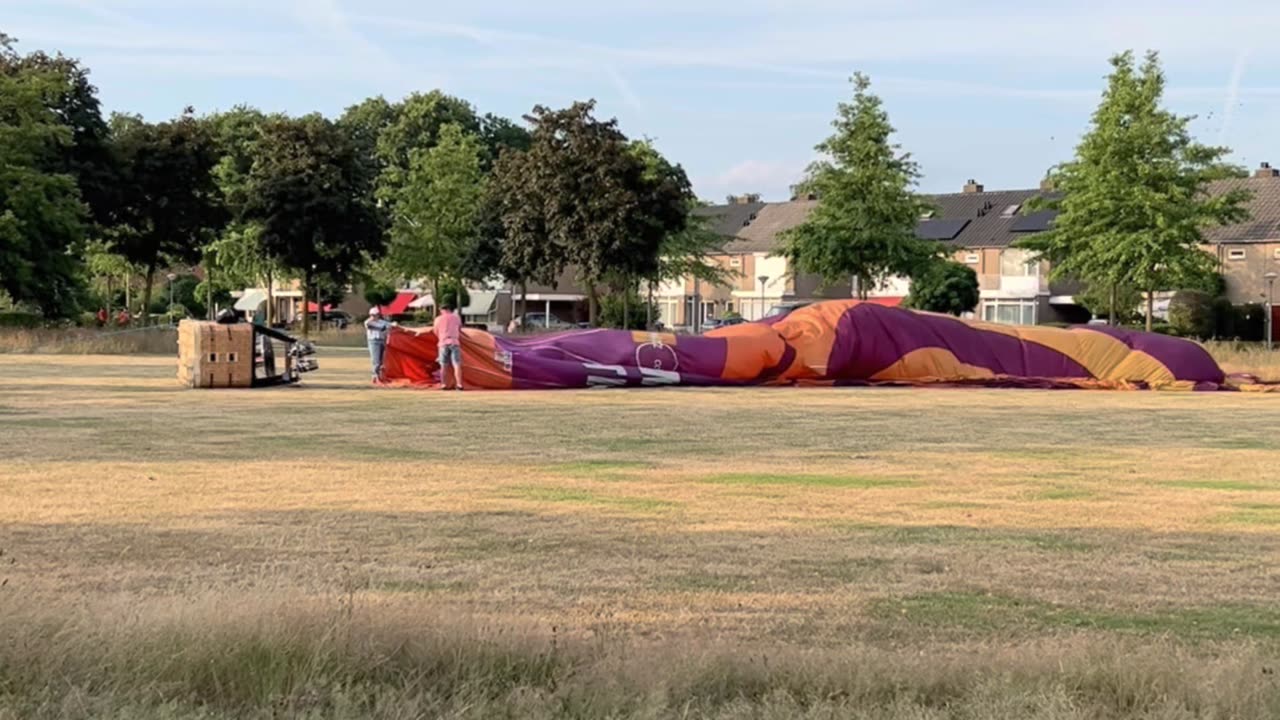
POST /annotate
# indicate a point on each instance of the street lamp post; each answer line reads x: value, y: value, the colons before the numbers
x: 171, y: 278
x: 763, y: 279
x: 1271, y: 313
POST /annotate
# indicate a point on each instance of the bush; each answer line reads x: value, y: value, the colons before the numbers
x: 1191, y: 314
x: 1224, y: 318
x: 611, y: 314
x: 1250, y: 322
x: 1164, y: 328
x: 423, y: 317
x: 20, y: 320
x: 453, y: 292
x: 944, y: 286
x: 378, y: 293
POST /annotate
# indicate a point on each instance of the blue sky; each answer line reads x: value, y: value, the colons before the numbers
x: 738, y: 91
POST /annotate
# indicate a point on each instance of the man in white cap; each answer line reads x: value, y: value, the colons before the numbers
x: 376, y: 331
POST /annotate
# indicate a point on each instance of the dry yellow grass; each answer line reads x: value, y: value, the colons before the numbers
x: 863, y: 525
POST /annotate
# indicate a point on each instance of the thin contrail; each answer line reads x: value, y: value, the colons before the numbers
x: 1233, y: 94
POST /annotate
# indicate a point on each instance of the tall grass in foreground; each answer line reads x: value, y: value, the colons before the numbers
x: 1250, y: 358
x: 254, y: 658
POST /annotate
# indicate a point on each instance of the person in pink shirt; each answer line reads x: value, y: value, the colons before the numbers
x: 448, y: 329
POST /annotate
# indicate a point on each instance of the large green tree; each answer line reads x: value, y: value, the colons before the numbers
x: 236, y: 258
x: 87, y: 156
x: 1135, y: 198
x: 601, y: 206
x: 864, y: 224
x: 312, y: 195
x: 42, y: 218
x: 413, y: 125
x: 438, y: 209
x: 528, y: 254
x: 689, y: 252
x: 171, y: 207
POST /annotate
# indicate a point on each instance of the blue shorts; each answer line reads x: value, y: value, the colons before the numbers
x: 451, y: 355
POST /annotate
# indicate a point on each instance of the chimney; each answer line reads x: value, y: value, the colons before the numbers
x: 972, y: 186
x: 1266, y: 171
x: 744, y: 199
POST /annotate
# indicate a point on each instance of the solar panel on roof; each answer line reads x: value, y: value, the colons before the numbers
x: 1035, y: 222
x: 939, y: 229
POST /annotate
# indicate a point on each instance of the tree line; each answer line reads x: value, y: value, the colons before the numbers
x: 426, y: 187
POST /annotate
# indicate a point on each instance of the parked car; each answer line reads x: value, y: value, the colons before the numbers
x: 540, y: 321
x: 715, y: 323
x: 783, y: 309
x: 338, y: 319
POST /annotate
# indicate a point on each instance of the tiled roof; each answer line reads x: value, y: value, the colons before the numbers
x: 1264, y: 225
x: 761, y: 235
x: 729, y: 220
x: 990, y: 224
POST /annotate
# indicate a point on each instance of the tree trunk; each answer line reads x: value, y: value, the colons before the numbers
x: 626, y: 306
x: 146, y: 294
x: 436, y: 300
x: 1151, y: 308
x: 592, y: 311
x: 648, y: 309
x: 108, y: 306
x: 1111, y: 319
x: 128, y: 291
x: 306, y: 316
x: 271, y: 300
x: 524, y: 302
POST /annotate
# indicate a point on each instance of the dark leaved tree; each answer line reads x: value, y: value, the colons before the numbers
x: 312, y: 196
x: 170, y: 205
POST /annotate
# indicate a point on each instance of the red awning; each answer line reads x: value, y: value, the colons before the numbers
x: 400, y: 305
x: 886, y: 301
x: 311, y: 307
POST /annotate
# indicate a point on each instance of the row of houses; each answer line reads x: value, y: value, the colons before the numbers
x: 978, y: 227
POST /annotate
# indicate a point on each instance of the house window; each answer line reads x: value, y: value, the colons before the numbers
x: 213, y: 357
x: 1018, y: 263
x: 735, y: 261
x: 1276, y: 253
x: 1236, y: 254
x: 1010, y: 312
x: 971, y: 259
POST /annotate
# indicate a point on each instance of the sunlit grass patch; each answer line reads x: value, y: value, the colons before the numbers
x: 805, y: 480
x: 1253, y: 514
x: 586, y: 497
x: 995, y: 613
x: 1229, y: 485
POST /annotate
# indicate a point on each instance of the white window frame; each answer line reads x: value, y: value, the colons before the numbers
x: 972, y: 259
x: 1237, y: 254
x: 735, y: 261
x: 1030, y: 266
x: 991, y: 310
x: 1276, y: 253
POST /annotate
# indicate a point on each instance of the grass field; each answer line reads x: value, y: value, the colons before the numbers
x: 334, y: 550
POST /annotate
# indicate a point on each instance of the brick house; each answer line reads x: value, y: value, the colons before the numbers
x: 982, y: 229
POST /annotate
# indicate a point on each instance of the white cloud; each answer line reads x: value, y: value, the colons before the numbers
x: 768, y: 177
